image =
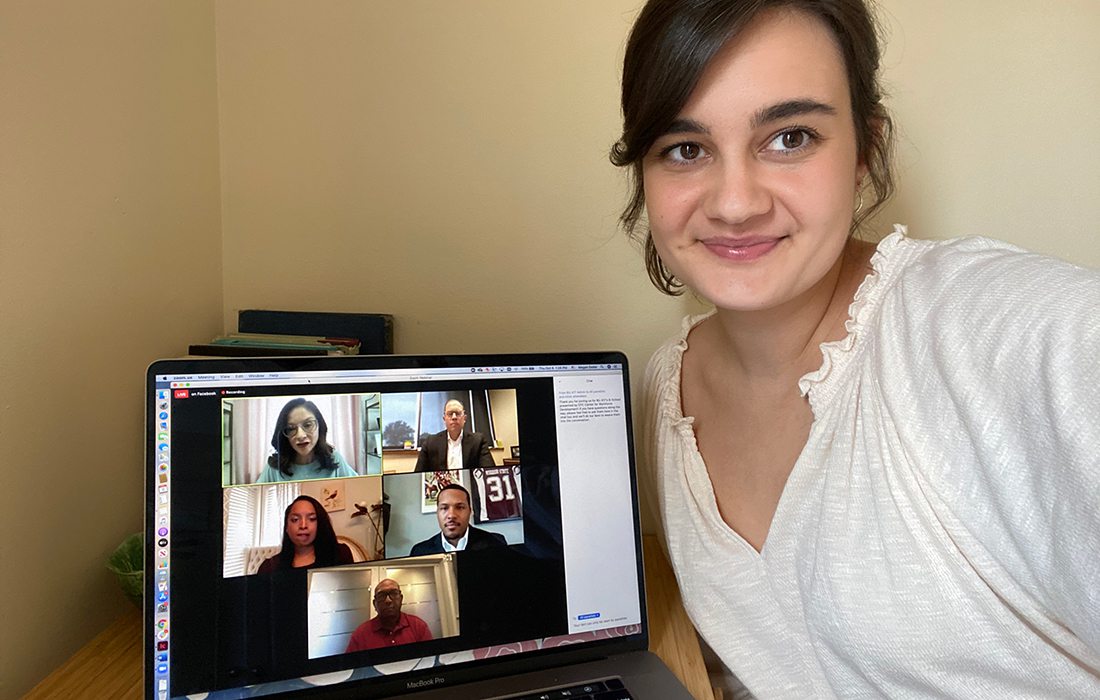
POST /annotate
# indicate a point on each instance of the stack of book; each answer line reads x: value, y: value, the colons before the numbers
x: 264, y: 333
x: 270, y: 344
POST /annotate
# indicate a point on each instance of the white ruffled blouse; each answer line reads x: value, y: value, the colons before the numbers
x: 939, y: 535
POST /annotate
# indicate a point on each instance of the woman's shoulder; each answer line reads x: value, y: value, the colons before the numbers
x: 997, y: 336
x: 341, y: 467
x: 661, y: 389
x: 985, y: 268
x: 343, y: 554
x: 973, y: 284
x: 269, y: 565
x: 661, y: 386
x: 665, y: 363
x: 957, y: 307
x: 269, y: 475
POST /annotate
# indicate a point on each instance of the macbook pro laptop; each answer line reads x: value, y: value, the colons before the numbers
x: 312, y: 530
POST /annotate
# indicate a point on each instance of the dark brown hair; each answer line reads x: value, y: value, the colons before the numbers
x: 670, y: 46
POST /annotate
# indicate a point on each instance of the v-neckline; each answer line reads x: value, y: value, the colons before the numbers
x: 816, y: 386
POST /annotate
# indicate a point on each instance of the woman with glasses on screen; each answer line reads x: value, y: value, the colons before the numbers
x: 308, y: 539
x: 301, y: 447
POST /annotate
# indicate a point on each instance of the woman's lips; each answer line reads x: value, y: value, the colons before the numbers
x: 743, y: 249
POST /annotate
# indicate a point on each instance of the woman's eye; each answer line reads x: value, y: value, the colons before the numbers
x: 790, y: 140
x: 682, y: 152
x: 688, y: 151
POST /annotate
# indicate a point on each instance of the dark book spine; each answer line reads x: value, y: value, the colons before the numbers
x: 210, y: 350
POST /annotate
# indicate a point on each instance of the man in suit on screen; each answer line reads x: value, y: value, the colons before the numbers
x: 455, y: 532
x: 453, y: 448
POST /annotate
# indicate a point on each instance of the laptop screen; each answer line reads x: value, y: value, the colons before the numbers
x: 386, y: 524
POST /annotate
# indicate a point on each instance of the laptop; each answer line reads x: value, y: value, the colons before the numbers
x: 421, y: 527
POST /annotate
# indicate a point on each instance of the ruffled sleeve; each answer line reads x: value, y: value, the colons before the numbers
x: 838, y: 356
x: 661, y: 417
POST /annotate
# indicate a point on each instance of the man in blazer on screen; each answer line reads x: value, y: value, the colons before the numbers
x: 452, y: 448
x: 455, y: 532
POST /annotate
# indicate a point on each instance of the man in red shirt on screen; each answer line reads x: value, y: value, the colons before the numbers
x: 390, y: 627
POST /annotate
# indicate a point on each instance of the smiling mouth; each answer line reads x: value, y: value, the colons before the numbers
x: 741, y: 250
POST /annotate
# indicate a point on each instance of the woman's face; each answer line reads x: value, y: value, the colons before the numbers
x: 751, y: 192
x: 301, y: 431
x: 301, y: 524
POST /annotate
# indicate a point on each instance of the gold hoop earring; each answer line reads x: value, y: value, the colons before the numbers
x: 859, y: 203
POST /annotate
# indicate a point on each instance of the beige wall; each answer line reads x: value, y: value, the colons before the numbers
x: 997, y: 106
x: 110, y: 251
x: 443, y: 162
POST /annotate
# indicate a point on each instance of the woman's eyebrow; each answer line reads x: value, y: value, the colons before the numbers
x: 790, y: 108
x: 763, y: 116
x: 685, y: 126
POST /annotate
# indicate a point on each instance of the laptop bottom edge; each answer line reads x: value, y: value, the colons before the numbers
x: 643, y: 674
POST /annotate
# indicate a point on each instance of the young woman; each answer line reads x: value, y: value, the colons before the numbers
x: 308, y: 539
x: 878, y: 467
x: 301, y: 447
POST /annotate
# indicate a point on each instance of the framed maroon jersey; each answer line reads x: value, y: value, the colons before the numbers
x: 497, y: 490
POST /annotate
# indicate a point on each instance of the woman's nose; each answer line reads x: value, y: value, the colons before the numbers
x: 736, y: 192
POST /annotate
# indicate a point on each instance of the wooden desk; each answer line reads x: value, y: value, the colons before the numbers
x: 671, y: 634
x: 109, y: 666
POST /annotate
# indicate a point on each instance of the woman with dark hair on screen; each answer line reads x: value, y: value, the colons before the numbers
x: 301, y: 447
x: 308, y: 539
x: 877, y: 466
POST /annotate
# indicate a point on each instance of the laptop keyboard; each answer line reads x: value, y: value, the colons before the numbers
x: 611, y: 689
